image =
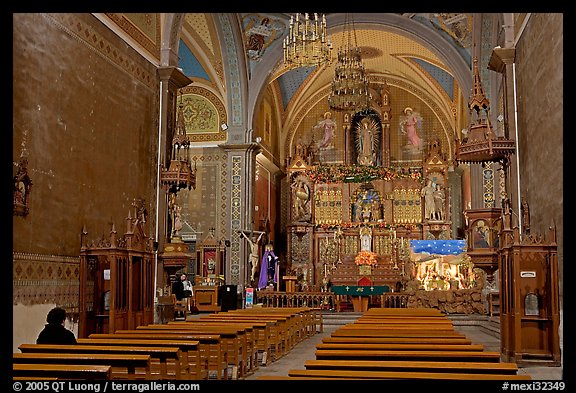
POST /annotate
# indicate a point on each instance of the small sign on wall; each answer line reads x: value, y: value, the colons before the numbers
x: 106, y: 274
x: 527, y: 274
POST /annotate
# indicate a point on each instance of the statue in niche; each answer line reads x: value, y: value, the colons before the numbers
x: 365, y: 238
x: 367, y: 139
x: 427, y: 193
x: 301, y: 198
x: 439, y: 202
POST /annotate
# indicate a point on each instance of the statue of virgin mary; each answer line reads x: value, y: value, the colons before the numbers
x: 367, y: 139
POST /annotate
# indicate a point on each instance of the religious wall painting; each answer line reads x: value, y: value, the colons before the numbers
x: 496, y: 233
x: 480, y: 234
x: 325, y: 131
x: 411, y: 133
x: 260, y: 31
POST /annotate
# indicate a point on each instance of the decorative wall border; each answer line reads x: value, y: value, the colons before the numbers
x: 235, y: 218
x: 40, y: 279
x: 88, y: 36
x: 233, y: 70
x: 138, y: 35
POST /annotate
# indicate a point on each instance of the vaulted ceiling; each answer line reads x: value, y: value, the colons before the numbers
x: 427, y: 53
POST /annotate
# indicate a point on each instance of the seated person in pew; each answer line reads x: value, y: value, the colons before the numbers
x: 54, y: 331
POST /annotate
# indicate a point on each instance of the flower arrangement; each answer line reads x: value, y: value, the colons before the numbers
x: 338, y: 173
x: 366, y: 258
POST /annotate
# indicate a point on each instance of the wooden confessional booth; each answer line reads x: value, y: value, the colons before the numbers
x: 530, y: 316
x: 116, y: 280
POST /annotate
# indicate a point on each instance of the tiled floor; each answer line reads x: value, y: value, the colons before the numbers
x: 305, y: 350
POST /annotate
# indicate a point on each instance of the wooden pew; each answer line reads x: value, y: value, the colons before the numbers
x: 395, y: 333
x: 123, y: 366
x: 254, y: 332
x: 300, y: 321
x: 405, y: 312
x: 262, y: 333
x: 362, y: 374
x: 400, y: 347
x: 233, y: 339
x: 189, y: 350
x: 397, y: 340
x: 282, y: 332
x: 404, y: 327
x: 61, y: 371
x: 503, y: 368
x: 276, y: 338
x: 447, y: 356
x: 210, y: 346
x: 385, y: 320
x: 166, y: 362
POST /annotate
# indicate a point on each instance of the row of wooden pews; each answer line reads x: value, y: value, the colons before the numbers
x: 226, y: 345
x: 403, y: 344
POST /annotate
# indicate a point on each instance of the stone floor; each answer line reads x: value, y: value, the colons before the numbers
x: 305, y: 351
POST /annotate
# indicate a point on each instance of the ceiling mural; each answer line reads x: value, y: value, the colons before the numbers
x: 261, y: 31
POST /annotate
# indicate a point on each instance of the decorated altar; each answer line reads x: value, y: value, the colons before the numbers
x: 351, y: 219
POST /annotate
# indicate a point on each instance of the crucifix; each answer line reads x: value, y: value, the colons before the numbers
x: 253, y: 238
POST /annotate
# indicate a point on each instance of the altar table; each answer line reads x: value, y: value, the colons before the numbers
x: 360, y: 294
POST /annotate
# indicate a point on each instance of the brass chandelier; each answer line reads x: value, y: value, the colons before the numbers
x: 307, y: 43
x: 349, y: 88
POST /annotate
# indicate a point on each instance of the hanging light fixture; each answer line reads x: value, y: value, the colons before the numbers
x: 307, y: 43
x: 179, y: 174
x: 349, y: 89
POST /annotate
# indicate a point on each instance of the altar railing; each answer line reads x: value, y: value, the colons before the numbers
x: 325, y: 300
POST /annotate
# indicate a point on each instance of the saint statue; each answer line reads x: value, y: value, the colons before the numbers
x: 301, y: 196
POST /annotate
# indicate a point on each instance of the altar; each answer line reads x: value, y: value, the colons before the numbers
x: 360, y: 294
x: 363, y: 203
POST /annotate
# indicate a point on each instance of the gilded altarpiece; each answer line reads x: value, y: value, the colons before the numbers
x: 337, y: 211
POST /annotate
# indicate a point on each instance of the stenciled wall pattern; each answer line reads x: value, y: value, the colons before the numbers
x: 40, y: 279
